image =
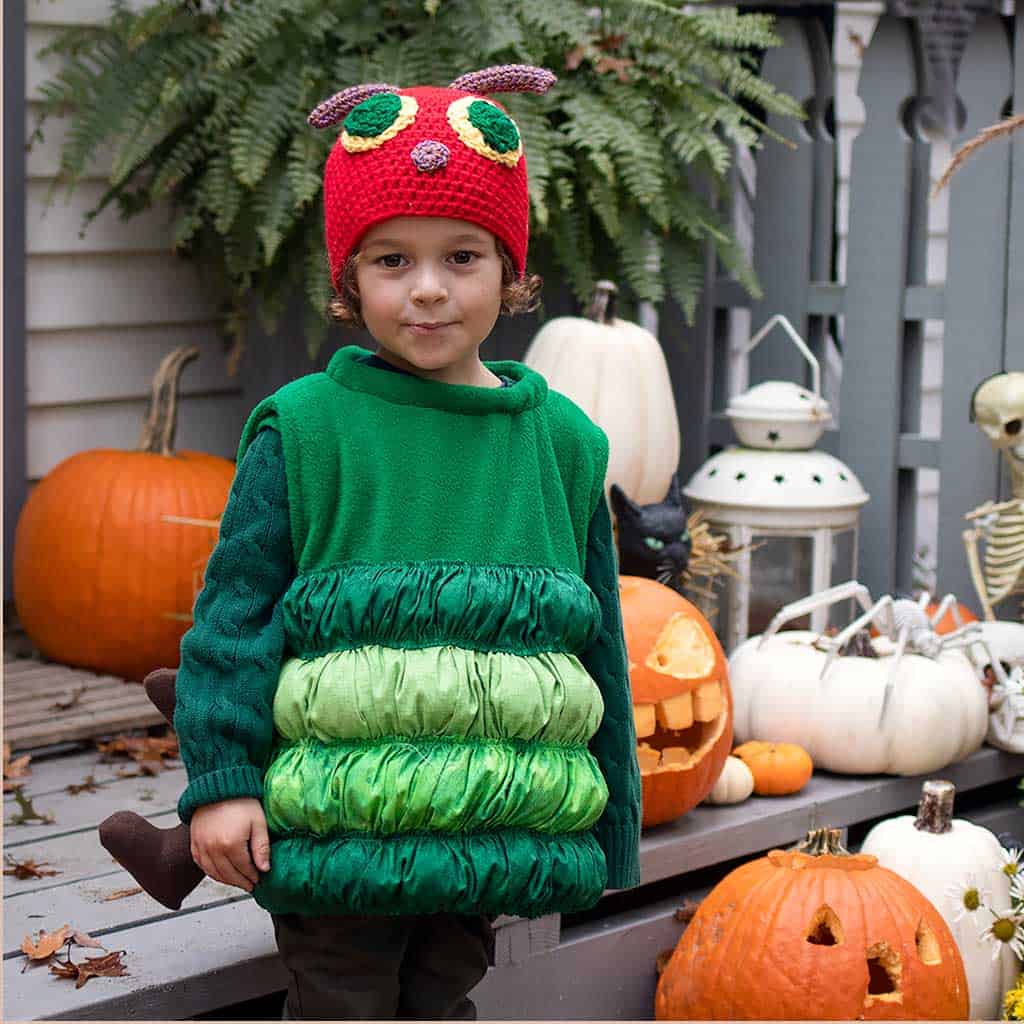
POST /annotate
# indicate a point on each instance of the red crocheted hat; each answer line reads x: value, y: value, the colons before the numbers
x: 428, y: 152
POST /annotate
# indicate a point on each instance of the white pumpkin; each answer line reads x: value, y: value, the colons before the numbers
x: 937, y: 711
x: 936, y: 852
x: 615, y: 371
x: 734, y: 785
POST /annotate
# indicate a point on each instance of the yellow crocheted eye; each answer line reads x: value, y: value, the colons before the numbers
x: 486, y: 129
x: 371, y: 123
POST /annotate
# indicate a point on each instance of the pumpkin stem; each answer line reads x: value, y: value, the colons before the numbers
x: 935, y: 810
x: 161, y: 422
x: 602, y: 305
x: 822, y: 841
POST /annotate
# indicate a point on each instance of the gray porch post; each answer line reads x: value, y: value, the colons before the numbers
x: 14, y: 275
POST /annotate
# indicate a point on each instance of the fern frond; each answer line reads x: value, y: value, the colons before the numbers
x: 267, y: 118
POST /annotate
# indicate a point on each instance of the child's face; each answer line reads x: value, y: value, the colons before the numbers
x: 430, y: 292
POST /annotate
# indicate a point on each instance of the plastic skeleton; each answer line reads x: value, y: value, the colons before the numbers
x: 997, y: 408
x: 904, y: 621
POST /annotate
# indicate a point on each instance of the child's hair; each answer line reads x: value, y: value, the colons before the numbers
x: 518, y: 295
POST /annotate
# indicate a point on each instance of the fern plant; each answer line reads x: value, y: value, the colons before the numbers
x: 204, y: 103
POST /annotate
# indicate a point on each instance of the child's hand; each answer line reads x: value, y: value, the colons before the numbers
x: 230, y: 841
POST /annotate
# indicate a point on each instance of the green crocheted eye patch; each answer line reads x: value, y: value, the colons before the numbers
x: 373, y: 115
x: 497, y: 129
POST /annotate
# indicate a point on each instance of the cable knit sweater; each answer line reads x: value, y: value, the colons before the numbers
x: 409, y: 646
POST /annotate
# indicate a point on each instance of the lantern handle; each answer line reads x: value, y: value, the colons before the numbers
x: 780, y: 320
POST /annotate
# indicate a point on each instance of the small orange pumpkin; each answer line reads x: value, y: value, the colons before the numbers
x: 104, y: 568
x: 810, y: 934
x: 682, y: 704
x: 778, y: 768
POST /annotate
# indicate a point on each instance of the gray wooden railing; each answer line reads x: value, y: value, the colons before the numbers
x: 878, y: 314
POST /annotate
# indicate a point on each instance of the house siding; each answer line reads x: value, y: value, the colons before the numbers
x: 103, y: 307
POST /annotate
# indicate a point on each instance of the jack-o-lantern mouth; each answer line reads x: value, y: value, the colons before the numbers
x: 682, y: 729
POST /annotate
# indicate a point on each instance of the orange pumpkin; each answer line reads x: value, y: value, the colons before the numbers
x: 778, y: 768
x: 102, y: 579
x: 810, y: 934
x: 682, y: 704
x: 947, y: 623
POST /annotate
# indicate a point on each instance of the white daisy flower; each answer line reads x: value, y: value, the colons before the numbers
x: 1017, y: 887
x: 1011, y: 862
x: 1006, y: 928
x: 967, y: 897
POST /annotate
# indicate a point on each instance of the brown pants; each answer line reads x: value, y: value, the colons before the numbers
x: 383, y: 968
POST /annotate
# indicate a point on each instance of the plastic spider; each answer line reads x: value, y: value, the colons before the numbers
x: 902, y: 620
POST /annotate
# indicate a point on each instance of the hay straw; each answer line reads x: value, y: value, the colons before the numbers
x: 985, y: 136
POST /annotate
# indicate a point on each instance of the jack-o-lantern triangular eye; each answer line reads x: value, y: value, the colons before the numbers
x: 825, y: 928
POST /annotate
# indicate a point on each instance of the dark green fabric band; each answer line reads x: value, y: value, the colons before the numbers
x: 504, y: 872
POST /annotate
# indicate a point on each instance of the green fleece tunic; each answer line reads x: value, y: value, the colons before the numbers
x: 436, y: 707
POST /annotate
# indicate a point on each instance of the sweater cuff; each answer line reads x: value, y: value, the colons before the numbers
x: 223, y: 784
x: 621, y: 846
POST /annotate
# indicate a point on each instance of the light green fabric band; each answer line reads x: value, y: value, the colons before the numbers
x: 374, y: 691
x: 403, y: 786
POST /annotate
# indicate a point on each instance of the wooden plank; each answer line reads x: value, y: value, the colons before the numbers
x: 210, y: 958
x: 870, y: 399
x: 83, y: 724
x: 209, y: 423
x: 97, y: 704
x: 32, y: 694
x: 115, y: 289
x: 74, y: 12
x: 82, y: 905
x: 784, y: 211
x: 117, y: 363
x: 77, y: 855
x: 975, y: 295
x: 54, y: 225
x: 148, y: 794
x: 709, y: 835
x: 42, y: 159
x: 53, y: 775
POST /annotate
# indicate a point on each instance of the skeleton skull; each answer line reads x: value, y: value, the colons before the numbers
x: 997, y: 407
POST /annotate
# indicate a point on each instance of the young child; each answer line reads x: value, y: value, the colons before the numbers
x: 404, y: 703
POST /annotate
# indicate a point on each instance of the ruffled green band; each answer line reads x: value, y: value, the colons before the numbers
x: 521, y: 609
x: 433, y: 785
x: 373, y: 692
x: 493, y: 873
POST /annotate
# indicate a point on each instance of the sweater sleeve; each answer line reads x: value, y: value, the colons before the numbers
x: 614, y: 743
x: 231, y: 657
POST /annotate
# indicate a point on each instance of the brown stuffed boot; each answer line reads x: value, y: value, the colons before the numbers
x: 159, y: 859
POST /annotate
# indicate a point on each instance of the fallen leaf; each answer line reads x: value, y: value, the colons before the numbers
x: 109, y: 966
x: 120, y: 894
x: 87, y: 785
x: 85, y: 939
x: 46, y: 945
x: 16, y: 769
x: 63, y: 705
x: 23, y: 869
x: 686, y: 911
x: 27, y: 812
x: 147, y: 751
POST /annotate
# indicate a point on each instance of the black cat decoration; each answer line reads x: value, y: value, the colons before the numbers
x: 654, y: 540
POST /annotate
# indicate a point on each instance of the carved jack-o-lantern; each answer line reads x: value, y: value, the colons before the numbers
x: 811, y: 934
x: 681, y: 699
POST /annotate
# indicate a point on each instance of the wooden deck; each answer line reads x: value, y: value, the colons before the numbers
x: 219, y: 948
x: 47, y: 703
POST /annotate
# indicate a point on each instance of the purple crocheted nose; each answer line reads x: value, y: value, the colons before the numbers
x: 429, y: 156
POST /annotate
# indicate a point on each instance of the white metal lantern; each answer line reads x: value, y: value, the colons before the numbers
x: 794, y: 510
